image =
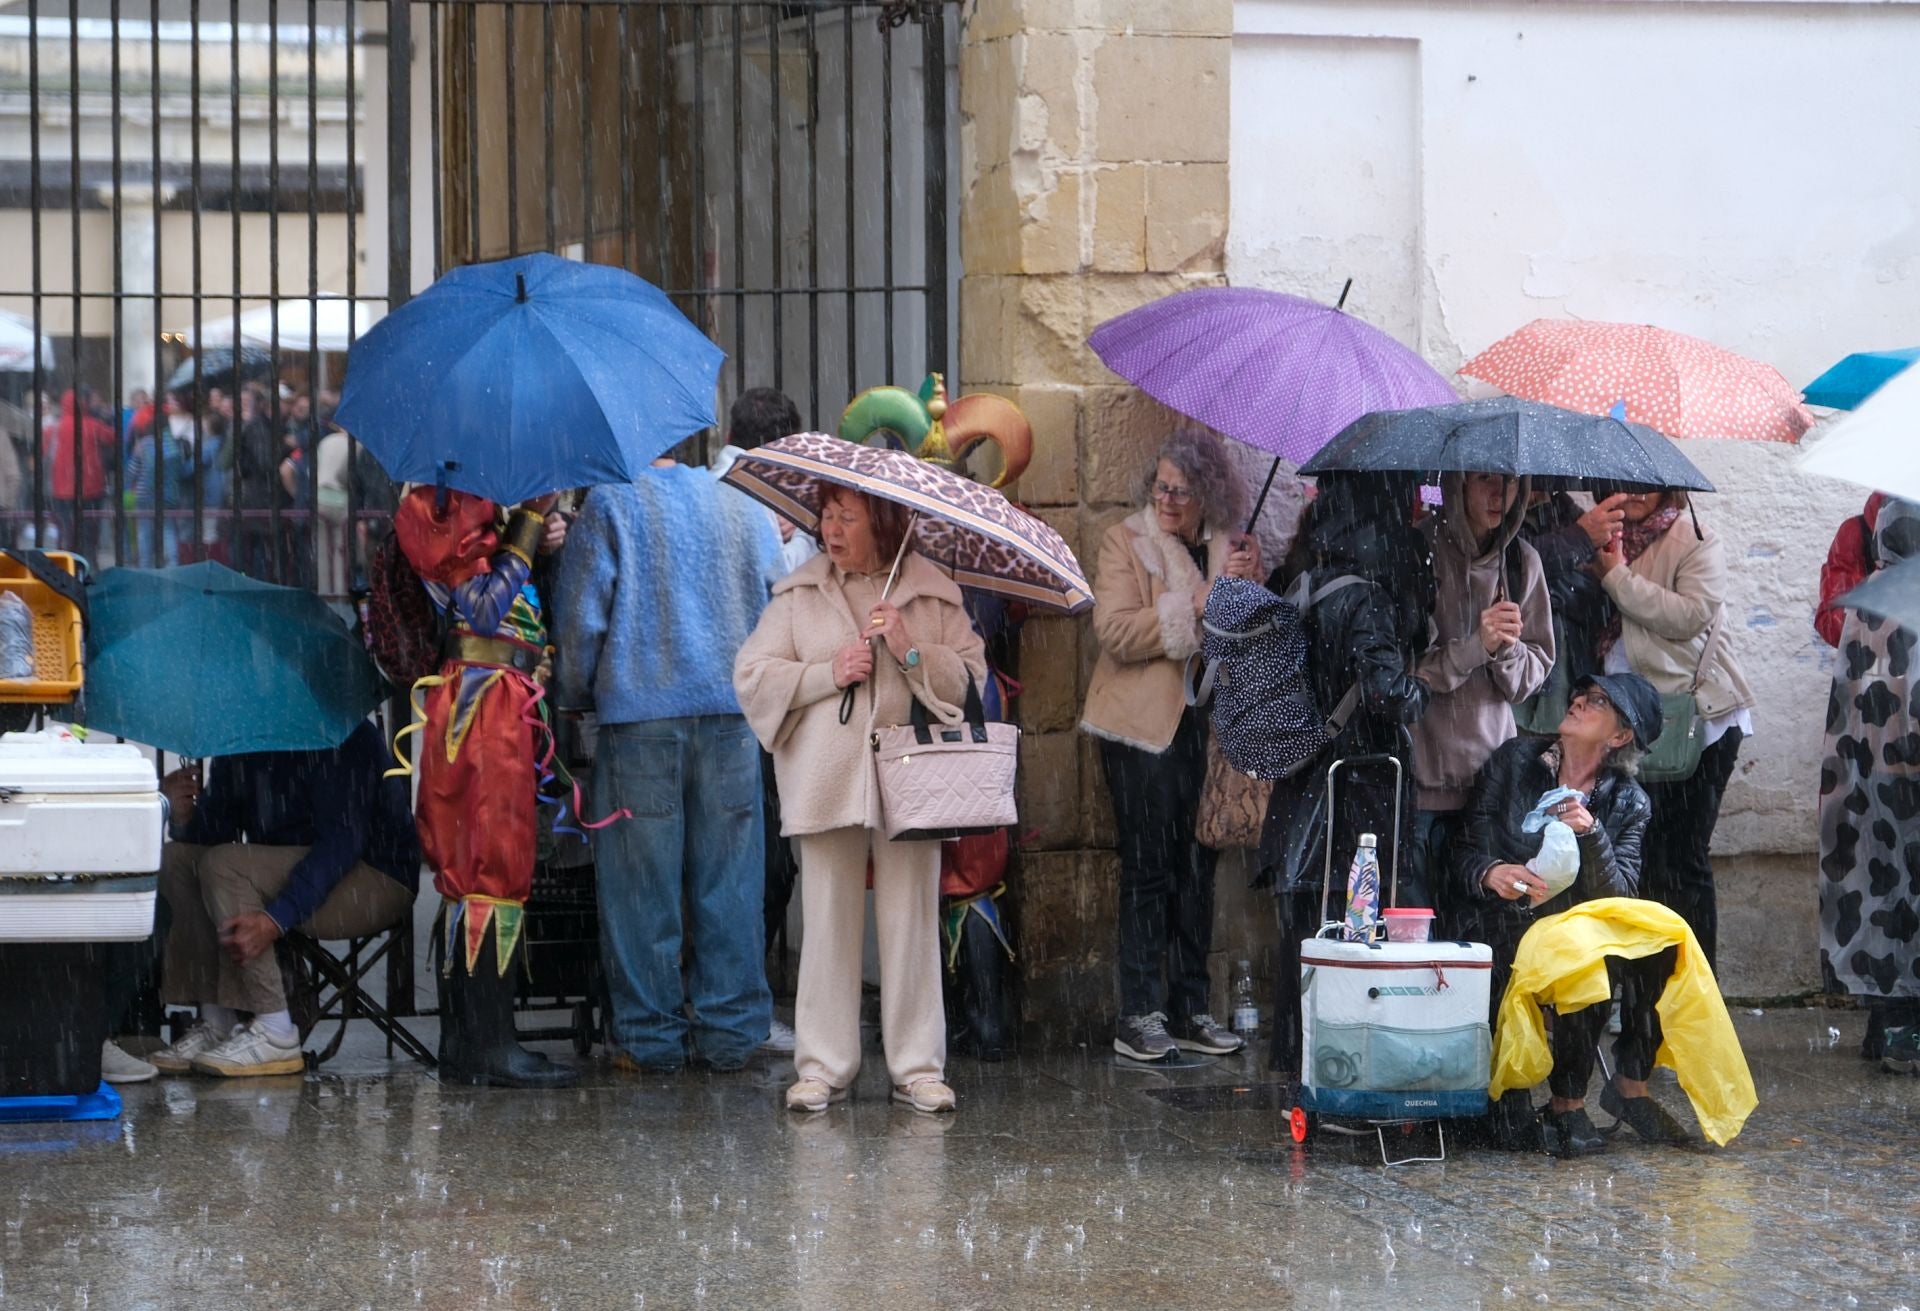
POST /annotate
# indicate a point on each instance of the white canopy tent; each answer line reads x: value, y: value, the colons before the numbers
x: 17, y: 339
x: 329, y: 322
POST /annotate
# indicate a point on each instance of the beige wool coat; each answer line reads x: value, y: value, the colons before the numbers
x: 1667, y: 600
x: 784, y: 679
x: 1143, y: 590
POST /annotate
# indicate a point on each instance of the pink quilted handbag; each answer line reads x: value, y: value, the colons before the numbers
x: 949, y: 779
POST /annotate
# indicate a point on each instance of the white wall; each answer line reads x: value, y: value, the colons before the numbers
x: 1743, y: 171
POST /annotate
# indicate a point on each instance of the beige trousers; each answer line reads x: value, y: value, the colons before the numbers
x: 206, y: 886
x: 906, y: 909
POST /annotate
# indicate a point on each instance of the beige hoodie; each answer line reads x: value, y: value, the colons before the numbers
x: 1471, y: 712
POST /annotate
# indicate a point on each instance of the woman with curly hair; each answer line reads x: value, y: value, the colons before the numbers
x: 1156, y: 568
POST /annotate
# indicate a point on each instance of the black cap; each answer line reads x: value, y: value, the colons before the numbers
x: 1634, y: 699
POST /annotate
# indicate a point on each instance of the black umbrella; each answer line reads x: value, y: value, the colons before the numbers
x: 217, y: 367
x: 1892, y: 593
x: 1510, y: 436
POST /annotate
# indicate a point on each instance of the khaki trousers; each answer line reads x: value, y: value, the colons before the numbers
x: 206, y: 886
x: 906, y: 908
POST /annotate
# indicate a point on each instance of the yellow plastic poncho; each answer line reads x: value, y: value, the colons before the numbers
x: 1562, y: 962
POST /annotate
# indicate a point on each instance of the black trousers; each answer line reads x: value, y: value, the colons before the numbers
x: 782, y: 866
x: 1675, y: 868
x: 1299, y: 920
x: 1166, y: 877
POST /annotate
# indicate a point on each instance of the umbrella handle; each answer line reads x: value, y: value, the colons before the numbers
x: 1260, y: 502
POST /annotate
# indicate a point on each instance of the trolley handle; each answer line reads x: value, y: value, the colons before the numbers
x: 1399, y: 809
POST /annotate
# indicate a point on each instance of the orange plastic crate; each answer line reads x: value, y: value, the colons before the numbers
x: 57, y: 652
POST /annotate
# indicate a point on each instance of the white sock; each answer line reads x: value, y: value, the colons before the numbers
x: 278, y: 1026
x: 220, y: 1019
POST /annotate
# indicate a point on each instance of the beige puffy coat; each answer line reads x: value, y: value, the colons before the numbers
x: 784, y: 679
x: 1667, y: 600
x: 1143, y: 615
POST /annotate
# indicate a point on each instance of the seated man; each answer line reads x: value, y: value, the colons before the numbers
x: 329, y: 849
x: 1496, y: 898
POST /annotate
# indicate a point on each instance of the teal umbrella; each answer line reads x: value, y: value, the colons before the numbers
x: 202, y: 661
x: 1857, y: 377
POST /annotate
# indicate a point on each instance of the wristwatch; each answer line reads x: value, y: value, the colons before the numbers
x: 913, y: 659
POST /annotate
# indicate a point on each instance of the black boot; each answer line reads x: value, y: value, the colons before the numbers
x: 478, y: 1044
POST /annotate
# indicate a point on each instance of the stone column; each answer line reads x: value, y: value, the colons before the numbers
x: 1094, y: 179
x: 139, y: 282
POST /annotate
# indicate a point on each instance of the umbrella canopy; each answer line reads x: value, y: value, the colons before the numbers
x: 202, y: 661
x: 1852, y: 380
x: 526, y: 376
x: 218, y: 367
x: 1680, y: 385
x: 1876, y: 445
x: 329, y: 322
x: 18, y: 342
x: 986, y: 540
x: 1892, y: 593
x: 1279, y: 372
x: 1515, y: 437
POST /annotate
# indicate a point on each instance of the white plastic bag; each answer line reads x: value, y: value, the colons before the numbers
x: 16, y: 638
x: 1558, y: 863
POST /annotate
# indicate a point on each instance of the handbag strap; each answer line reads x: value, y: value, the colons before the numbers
x: 1710, y: 647
x: 974, y: 714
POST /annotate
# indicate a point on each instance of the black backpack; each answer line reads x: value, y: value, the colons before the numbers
x: 1252, y: 672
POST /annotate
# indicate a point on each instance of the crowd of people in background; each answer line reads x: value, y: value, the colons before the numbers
x: 233, y: 471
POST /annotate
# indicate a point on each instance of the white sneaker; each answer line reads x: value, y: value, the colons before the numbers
x: 250, y: 1052
x: 117, y: 1066
x: 779, y: 1038
x: 179, y: 1058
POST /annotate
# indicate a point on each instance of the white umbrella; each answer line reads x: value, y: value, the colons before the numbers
x: 17, y: 339
x: 329, y: 323
x: 1878, y: 445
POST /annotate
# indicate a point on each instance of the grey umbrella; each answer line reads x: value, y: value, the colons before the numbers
x: 1892, y: 593
x: 1510, y: 436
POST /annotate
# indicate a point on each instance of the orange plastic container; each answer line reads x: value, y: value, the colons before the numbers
x: 57, y: 652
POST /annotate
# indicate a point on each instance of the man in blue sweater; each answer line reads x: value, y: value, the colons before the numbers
x: 661, y: 581
x: 329, y: 847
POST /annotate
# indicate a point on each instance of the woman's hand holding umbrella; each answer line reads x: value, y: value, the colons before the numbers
x: 1500, y: 626
x: 852, y: 664
x: 885, y: 622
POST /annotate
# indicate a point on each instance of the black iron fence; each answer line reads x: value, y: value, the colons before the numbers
x: 207, y: 201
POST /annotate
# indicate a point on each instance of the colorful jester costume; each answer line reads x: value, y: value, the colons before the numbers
x: 478, y: 770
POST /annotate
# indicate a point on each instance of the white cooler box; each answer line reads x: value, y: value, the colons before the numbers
x: 1394, y: 1030
x: 81, y: 827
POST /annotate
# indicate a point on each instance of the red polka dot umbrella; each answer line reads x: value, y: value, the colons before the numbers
x: 1675, y: 384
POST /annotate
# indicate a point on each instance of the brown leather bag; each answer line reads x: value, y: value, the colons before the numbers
x: 1233, y: 806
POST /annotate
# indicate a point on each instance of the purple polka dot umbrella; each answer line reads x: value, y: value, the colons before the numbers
x: 1279, y: 372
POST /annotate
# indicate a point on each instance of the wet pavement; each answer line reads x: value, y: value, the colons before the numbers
x: 1065, y: 1180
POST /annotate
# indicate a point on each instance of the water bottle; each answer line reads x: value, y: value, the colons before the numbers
x: 16, y: 638
x: 1246, y: 1013
x: 1363, y: 892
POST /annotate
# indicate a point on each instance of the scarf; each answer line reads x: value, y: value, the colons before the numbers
x: 1635, y: 538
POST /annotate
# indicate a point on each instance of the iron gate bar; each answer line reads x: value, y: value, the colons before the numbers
x: 79, y: 451
x: 739, y: 208
x: 886, y: 192
x: 400, y: 155
x: 848, y: 219
x: 546, y: 112
x: 276, y: 567
x: 36, y: 440
x: 813, y: 215
x: 116, y: 369
x: 473, y: 128
x: 350, y: 528
x: 779, y: 188
x: 159, y: 224
x: 933, y: 52
x: 434, y: 124
x: 663, y: 228
x: 510, y: 19
x: 228, y: 447
x: 629, y: 239
x: 586, y: 132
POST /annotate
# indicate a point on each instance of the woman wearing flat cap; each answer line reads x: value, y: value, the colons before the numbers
x: 1495, y: 898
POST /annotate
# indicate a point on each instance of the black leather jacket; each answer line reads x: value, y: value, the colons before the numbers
x: 1511, y: 784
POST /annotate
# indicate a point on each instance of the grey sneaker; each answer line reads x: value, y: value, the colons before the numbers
x: 1144, y: 1037
x: 1203, y: 1033
x: 179, y: 1057
x: 779, y: 1039
x: 117, y: 1066
x: 247, y: 1053
x: 1901, y: 1054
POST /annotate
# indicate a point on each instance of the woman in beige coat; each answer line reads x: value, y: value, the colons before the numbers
x: 828, y: 629
x: 1667, y: 577
x: 1156, y: 568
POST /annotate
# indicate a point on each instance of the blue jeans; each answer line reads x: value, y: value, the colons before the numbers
x: 686, y: 873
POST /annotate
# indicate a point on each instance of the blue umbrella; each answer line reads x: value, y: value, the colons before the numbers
x: 202, y: 661
x: 526, y: 376
x: 1506, y: 435
x: 1857, y: 377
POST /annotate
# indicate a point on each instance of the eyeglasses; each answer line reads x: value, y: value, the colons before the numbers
x: 1595, y: 698
x: 1172, y: 495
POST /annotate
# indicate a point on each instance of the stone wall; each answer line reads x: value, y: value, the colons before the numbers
x: 1093, y: 178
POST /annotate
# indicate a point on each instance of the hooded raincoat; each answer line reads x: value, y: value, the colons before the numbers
x: 1471, y: 711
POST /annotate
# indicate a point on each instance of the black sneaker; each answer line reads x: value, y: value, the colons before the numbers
x: 1645, y: 1117
x: 1203, y: 1033
x: 1571, y: 1133
x: 1143, y: 1037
